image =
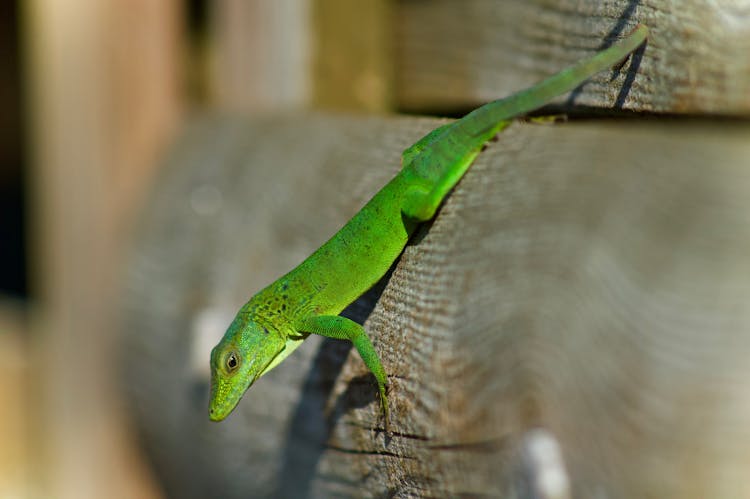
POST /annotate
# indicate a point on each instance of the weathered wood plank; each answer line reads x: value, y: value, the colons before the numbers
x: 232, y: 228
x: 291, y: 54
x: 586, y: 280
x: 454, y: 55
x: 103, y: 99
x: 352, y: 62
x: 260, y: 55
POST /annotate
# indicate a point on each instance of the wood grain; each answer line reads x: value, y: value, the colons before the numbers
x: 456, y: 55
x: 584, y: 280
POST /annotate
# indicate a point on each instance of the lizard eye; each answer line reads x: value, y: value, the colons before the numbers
x: 232, y: 362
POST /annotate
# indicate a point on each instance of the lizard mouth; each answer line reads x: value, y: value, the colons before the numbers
x: 214, y: 416
x: 226, y: 393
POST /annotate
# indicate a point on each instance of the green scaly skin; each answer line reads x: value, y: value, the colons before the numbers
x: 308, y: 299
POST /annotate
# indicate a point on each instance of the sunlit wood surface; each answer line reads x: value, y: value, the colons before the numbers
x: 584, y: 280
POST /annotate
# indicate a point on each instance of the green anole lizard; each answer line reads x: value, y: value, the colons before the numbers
x: 309, y: 298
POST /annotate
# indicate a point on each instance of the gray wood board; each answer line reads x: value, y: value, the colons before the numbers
x: 586, y: 280
x: 454, y: 55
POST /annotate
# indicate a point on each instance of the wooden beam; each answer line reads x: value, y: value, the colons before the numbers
x: 260, y: 53
x: 456, y: 55
x: 354, y: 55
x: 103, y: 99
x: 584, y: 286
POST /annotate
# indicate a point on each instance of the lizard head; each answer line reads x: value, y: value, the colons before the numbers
x: 242, y: 356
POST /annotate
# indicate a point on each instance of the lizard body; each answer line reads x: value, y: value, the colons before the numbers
x: 308, y: 299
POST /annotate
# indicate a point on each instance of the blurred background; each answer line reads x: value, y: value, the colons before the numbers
x: 94, y: 92
x: 91, y: 93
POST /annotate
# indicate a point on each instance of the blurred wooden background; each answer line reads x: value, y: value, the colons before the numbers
x: 111, y: 84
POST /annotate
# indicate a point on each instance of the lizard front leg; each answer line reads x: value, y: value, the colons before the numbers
x: 341, y: 328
